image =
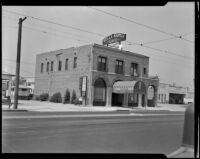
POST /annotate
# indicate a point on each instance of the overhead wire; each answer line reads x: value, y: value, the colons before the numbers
x: 144, y: 25
x: 129, y: 43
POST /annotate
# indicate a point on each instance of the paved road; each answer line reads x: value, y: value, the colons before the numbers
x: 92, y: 132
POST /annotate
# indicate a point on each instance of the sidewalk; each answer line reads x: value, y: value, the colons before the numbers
x: 31, y: 105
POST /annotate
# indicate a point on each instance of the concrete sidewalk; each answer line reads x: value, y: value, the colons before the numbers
x: 31, y: 105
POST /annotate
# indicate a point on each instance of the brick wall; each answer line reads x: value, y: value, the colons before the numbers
x: 59, y: 81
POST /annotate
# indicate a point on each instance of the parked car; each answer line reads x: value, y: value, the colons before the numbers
x: 186, y: 149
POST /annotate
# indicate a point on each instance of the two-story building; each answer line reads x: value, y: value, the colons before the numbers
x: 113, y: 77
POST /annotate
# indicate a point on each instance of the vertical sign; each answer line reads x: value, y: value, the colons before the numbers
x: 84, y: 85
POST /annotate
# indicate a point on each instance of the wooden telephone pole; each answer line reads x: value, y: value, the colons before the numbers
x: 18, y: 62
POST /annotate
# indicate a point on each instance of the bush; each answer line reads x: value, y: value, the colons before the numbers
x: 67, y: 97
x: 56, y: 98
x: 73, y: 97
x: 77, y: 102
x: 36, y: 97
x: 44, y: 97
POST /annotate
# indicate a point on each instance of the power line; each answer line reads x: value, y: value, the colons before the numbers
x: 41, y: 26
x: 46, y: 32
x: 146, y: 26
x: 129, y: 43
x: 51, y: 22
x: 21, y: 61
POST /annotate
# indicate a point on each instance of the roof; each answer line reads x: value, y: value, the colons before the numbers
x: 120, y: 51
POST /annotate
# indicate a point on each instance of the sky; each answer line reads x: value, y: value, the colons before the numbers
x: 157, y: 28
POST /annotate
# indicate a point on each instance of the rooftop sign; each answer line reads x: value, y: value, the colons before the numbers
x: 113, y: 38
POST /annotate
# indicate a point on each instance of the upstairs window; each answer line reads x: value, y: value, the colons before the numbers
x: 47, y: 66
x: 75, y: 62
x: 102, y: 62
x: 51, y: 66
x: 134, y: 69
x: 144, y: 71
x: 41, y: 69
x: 119, y: 66
x: 66, y: 64
x: 59, y: 65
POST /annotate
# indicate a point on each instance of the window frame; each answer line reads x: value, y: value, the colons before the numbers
x: 75, y: 62
x: 144, y: 70
x: 66, y: 63
x: 41, y: 67
x: 48, y: 66
x: 101, y: 64
x: 52, y: 63
x: 119, y: 69
x: 132, y: 72
x: 59, y: 65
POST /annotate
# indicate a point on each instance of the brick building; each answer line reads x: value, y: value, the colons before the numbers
x: 114, y: 77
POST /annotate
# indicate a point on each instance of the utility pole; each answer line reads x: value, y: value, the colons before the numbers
x: 18, y: 62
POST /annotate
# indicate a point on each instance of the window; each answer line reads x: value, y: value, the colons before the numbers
x: 75, y: 62
x: 47, y: 66
x: 119, y: 66
x: 42, y: 65
x: 134, y: 69
x: 66, y: 64
x: 59, y: 65
x: 144, y: 71
x: 51, y: 66
x: 102, y: 63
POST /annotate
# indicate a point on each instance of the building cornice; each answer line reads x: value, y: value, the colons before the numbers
x: 120, y: 51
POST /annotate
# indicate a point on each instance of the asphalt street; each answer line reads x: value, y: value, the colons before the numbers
x: 117, y: 132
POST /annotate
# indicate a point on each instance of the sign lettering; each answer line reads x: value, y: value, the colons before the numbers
x: 113, y: 38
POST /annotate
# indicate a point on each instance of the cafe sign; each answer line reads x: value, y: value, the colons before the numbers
x: 114, y: 38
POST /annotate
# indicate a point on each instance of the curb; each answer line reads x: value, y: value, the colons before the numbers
x: 15, y: 110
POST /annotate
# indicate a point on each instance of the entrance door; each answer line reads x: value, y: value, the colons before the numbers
x: 117, y: 99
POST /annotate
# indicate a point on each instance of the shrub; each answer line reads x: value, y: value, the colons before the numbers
x: 36, y: 97
x: 77, y: 102
x: 73, y: 97
x: 67, y: 97
x: 44, y: 97
x: 56, y: 98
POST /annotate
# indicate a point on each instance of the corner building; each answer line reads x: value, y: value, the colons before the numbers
x: 114, y: 77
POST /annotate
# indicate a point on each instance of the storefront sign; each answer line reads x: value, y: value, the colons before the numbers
x: 113, y: 38
x: 84, y: 84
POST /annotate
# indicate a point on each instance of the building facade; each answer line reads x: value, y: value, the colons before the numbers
x: 111, y: 77
x: 171, y: 94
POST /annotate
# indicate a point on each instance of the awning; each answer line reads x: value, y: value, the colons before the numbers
x: 124, y: 86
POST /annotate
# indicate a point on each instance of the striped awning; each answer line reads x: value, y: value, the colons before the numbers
x: 124, y: 86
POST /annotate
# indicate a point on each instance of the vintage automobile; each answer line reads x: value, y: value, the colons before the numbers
x: 186, y: 150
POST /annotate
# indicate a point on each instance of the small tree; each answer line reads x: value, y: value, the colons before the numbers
x: 44, y: 97
x: 67, y: 97
x: 56, y: 98
x: 73, y: 97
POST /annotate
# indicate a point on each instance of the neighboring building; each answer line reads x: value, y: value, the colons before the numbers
x: 113, y: 77
x: 172, y: 94
x: 6, y: 81
x: 30, y: 83
x: 26, y: 86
